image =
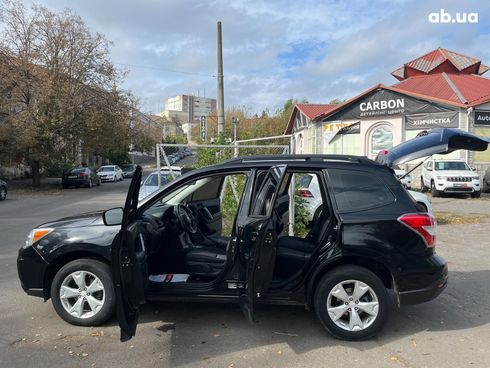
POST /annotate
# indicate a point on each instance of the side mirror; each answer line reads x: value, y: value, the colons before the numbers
x: 113, y: 216
x: 473, y: 168
x: 429, y: 169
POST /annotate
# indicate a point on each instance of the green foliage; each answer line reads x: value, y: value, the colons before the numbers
x: 301, y: 217
x: 119, y: 157
x: 56, y: 167
x: 229, y: 203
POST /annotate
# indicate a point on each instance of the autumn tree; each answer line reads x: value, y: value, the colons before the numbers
x: 56, y: 78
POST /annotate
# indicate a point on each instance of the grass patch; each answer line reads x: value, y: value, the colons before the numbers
x: 450, y: 218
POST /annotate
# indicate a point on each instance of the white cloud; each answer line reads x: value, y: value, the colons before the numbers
x: 170, y: 47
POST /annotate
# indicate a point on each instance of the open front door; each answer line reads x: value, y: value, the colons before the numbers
x: 257, y: 238
x: 129, y: 268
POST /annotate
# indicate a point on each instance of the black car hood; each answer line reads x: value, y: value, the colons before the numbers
x: 428, y: 143
x: 84, y: 219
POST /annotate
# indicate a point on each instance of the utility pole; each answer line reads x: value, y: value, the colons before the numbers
x: 221, y: 89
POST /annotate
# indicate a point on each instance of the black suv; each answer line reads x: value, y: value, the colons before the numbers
x: 225, y: 233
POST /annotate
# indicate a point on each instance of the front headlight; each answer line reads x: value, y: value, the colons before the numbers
x: 475, y: 178
x: 36, y: 235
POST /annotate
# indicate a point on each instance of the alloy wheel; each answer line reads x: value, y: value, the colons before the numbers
x: 3, y: 193
x: 82, y: 294
x: 352, y: 305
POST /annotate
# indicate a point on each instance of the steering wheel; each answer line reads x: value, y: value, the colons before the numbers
x: 186, y: 218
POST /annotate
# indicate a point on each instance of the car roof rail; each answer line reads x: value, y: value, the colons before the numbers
x: 301, y: 158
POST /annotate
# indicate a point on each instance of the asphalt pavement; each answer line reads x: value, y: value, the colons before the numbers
x: 451, y: 331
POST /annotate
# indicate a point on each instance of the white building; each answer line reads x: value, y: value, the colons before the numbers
x: 187, y: 110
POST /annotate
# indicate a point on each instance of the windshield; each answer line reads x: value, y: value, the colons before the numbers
x: 152, y: 180
x: 127, y: 167
x: 451, y: 165
x: 106, y: 168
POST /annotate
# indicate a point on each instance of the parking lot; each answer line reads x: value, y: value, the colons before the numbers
x: 451, y: 331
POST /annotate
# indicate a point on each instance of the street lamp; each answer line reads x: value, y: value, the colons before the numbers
x: 235, y: 122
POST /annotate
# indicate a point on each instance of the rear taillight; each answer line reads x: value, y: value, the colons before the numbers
x: 422, y: 223
x: 304, y: 193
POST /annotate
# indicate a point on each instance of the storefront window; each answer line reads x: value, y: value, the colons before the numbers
x: 381, y: 138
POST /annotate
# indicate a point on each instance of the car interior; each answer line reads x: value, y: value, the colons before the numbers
x: 187, y: 232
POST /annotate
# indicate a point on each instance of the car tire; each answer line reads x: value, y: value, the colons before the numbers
x: 91, y: 270
x: 423, y: 188
x: 375, y: 293
x: 485, y: 187
x: 433, y: 190
x: 64, y: 186
x: 3, y: 193
x: 476, y: 194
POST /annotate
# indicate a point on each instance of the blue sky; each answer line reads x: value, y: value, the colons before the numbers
x: 273, y: 50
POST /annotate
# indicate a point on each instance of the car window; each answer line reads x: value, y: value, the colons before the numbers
x: 358, y: 190
x: 78, y: 170
x: 303, y: 180
x: 208, y: 191
x: 451, y: 165
x: 107, y: 168
x: 152, y: 180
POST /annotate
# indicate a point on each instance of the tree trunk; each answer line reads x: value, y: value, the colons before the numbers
x: 36, y: 177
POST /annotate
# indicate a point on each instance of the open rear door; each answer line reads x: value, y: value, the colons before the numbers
x: 129, y: 266
x: 435, y: 141
x: 257, y: 238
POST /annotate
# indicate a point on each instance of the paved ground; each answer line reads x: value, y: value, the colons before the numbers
x: 451, y: 331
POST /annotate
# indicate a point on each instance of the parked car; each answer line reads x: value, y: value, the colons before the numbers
x: 80, y: 177
x: 449, y: 176
x: 308, y: 188
x: 3, y: 190
x: 128, y: 170
x: 110, y: 173
x: 486, y: 181
x: 405, y: 179
x: 151, y: 182
x: 422, y: 200
x: 368, y: 237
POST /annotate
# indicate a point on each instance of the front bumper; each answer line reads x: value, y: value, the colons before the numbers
x: 456, y: 187
x: 31, y: 268
x: 106, y: 178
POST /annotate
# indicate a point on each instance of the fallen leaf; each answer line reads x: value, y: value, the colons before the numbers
x: 393, y: 358
x: 279, y: 352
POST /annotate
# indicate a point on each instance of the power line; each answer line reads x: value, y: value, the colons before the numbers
x: 165, y: 69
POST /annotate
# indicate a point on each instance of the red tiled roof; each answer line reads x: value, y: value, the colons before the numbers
x: 440, y: 60
x: 310, y: 110
x: 313, y: 110
x: 467, y: 89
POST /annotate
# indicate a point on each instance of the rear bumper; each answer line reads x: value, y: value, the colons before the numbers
x: 74, y: 182
x: 438, y: 282
x: 31, y: 268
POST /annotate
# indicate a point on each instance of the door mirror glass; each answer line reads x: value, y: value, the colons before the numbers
x: 113, y: 216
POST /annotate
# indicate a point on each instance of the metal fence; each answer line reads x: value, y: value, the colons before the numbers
x: 173, y: 157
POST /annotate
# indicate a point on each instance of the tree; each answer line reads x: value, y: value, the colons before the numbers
x: 56, y: 77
